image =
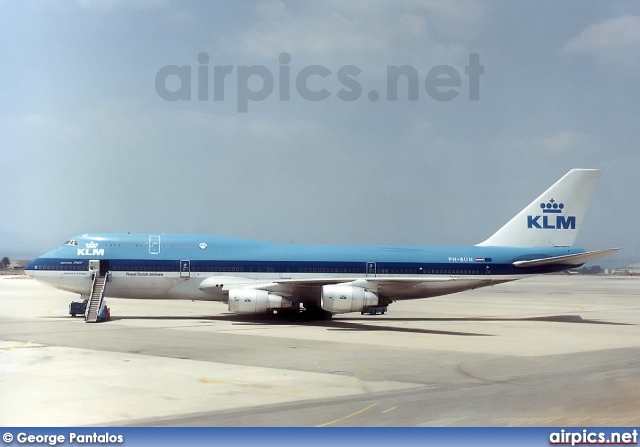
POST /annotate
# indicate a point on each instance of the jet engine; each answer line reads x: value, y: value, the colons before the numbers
x: 339, y: 299
x: 253, y: 302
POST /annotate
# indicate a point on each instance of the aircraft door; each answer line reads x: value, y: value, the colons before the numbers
x: 154, y: 245
x: 185, y: 269
x: 371, y: 269
x: 94, y: 268
x: 104, y: 267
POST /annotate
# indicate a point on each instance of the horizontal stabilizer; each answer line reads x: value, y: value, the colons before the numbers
x: 576, y: 259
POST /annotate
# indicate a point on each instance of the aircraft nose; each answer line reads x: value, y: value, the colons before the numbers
x: 29, y: 268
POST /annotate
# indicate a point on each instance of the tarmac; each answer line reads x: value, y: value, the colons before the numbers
x: 561, y: 350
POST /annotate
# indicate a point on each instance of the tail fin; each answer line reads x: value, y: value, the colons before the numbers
x: 554, y: 218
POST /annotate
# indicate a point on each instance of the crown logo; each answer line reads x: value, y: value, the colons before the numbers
x: 202, y: 245
x: 91, y: 244
x: 552, y: 207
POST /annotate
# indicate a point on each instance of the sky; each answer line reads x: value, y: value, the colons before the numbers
x: 380, y: 122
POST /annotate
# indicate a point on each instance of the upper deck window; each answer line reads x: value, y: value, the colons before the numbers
x: 71, y: 242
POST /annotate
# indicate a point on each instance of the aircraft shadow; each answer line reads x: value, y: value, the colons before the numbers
x: 333, y: 325
x: 365, y: 324
x: 546, y: 318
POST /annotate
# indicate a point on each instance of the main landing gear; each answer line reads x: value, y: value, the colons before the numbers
x: 306, y: 314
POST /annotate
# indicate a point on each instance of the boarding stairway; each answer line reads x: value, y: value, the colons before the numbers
x: 96, y: 299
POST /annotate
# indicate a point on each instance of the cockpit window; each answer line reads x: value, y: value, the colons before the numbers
x: 71, y: 242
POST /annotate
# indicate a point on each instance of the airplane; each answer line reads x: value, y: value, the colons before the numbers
x: 318, y: 281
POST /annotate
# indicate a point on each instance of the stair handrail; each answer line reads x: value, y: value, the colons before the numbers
x: 99, y: 299
x: 101, y: 303
x: 93, y: 286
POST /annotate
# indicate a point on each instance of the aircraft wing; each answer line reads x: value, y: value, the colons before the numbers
x: 395, y: 288
x: 575, y: 259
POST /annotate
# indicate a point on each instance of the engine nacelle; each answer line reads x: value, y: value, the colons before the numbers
x: 339, y: 299
x: 253, y: 302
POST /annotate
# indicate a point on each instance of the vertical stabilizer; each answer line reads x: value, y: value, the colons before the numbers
x: 554, y: 218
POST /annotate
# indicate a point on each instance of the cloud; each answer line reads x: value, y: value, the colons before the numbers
x: 564, y: 143
x: 368, y: 28
x: 612, y: 41
x: 109, y: 5
x: 308, y: 30
x: 462, y: 12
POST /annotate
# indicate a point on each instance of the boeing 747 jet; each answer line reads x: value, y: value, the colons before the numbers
x: 318, y: 281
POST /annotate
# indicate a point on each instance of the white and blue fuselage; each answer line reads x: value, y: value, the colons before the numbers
x: 157, y: 266
x: 255, y: 276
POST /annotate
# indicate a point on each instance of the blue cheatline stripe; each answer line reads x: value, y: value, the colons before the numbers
x: 324, y: 267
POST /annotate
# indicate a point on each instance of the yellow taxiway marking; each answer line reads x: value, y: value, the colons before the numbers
x: 247, y: 385
x: 16, y: 346
x: 349, y: 415
x: 389, y: 409
x: 39, y: 326
x: 362, y: 367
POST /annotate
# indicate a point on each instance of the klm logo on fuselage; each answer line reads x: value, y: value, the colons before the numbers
x: 552, y: 218
x: 91, y: 250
